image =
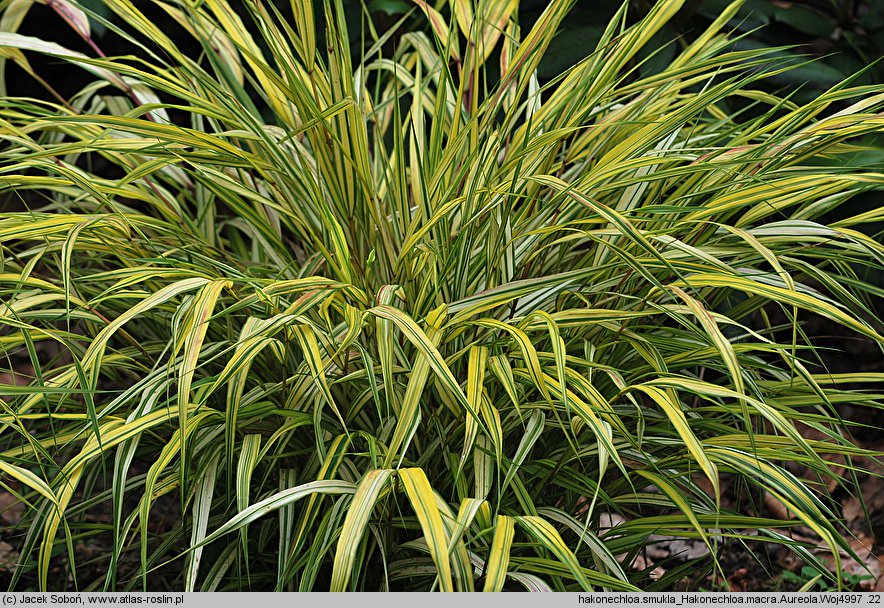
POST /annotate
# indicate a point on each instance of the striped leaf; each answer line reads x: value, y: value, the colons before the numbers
x: 680, y: 422
x: 499, y: 556
x: 420, y: 493
x: 370, y: 489
x: 548, y: 537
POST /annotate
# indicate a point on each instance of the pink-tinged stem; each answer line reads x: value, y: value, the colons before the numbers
x: 62, y: 11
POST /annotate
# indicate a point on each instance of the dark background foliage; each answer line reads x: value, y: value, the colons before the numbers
x: 828, y: 40
x: 840, y: 37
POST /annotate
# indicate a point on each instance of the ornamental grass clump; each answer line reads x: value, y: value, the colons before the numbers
x: 404, y: 317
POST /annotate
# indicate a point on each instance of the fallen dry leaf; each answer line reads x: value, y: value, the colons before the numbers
x: 739, y: 580
x: 640, y: 563
x: 8, y: 557
x: 663, y: 547
x: 11, y: 509
x: 872, y: 491
x: 870, y: 567
x: 777, y: 508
